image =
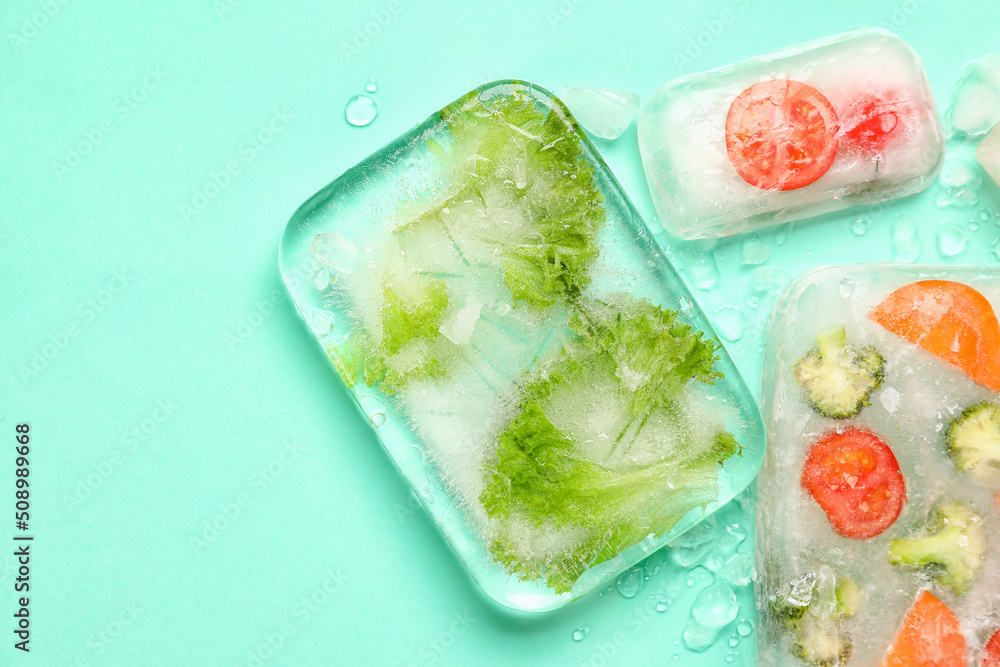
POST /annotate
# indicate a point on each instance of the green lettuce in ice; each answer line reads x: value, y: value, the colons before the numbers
x: 524, y: 193
x: 522, y: 206
x: 608, y: 447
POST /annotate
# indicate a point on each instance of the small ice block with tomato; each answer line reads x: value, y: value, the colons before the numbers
x: 878, y: 524
x: 834, y: 123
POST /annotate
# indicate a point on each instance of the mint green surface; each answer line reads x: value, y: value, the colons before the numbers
x: 151, y: 155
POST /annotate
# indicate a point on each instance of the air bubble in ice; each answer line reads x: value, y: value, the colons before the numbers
x: 377, y: 419
x: 459, y: 327
x: 755, y: 251
x: 603, y: 112
x: 630, y: 583
x: 952, y: 238
x: 361, y: 110
x: 847, y: 287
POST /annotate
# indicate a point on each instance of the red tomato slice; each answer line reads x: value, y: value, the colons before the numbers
x: 872, y: 123
x: 781, y: 134
x: 855, y: 478
x: 930, y: 636
x: 950, y: 320
x: 991, y: 654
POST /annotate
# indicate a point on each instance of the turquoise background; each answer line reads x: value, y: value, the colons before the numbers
x: 150, y: 155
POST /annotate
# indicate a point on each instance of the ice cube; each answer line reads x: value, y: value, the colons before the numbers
x: 988, y: 153
x: 934, y: 369
x: 603, y: 112
x: 975, y: 102
x: 487, y: 299
x: 857, y: 107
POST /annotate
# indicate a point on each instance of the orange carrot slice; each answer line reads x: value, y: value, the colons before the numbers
x: 950, y: 320
x: 929, y: 637
x: 991, y: 652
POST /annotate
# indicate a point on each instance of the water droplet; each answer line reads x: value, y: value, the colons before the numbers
x: 630, y: 583
x: 734, y: 642
x: 730, y: 657
x: 905, y: 239
x: 361, y: 110
x: 952, y: 238
x: 377, y: 419
x: 847, y: 287
x: 782, y: 232
x: 715, y: 606
x: 860, y: 226
x: 580, y: 633
x: 662, y: 606
x: 744, y: 628
x: 697, y: 637
x: 372, y: 85
x: 729, y: 322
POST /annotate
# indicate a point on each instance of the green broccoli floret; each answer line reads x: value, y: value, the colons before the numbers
x: 812, y: 608
x: 951, y: 548
x: 974, y: 440
x: 839, y: 378
x: 620, y: 385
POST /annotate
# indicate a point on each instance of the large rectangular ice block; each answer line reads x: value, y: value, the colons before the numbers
x: 878, y: 524
x: 834, y: 123
x: 527, y: 356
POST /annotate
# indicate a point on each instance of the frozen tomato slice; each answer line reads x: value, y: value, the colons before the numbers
x: 950, y: 320
x: 930, y: 636
x: 991, y: 654
x: 781, y: 134
x: 872, y: 123
x: 856, y: 480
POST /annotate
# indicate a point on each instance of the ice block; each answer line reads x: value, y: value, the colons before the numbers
x: 878, y: 524
x: 975, y: 102
x: 525, y: 353
x: 988, y: 153
x: 838, y: 122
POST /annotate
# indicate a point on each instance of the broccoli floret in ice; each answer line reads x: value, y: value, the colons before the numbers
x: 951, y: 548
x: 974, y: 440
x: 838, y: 378
x: 812, y: 607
